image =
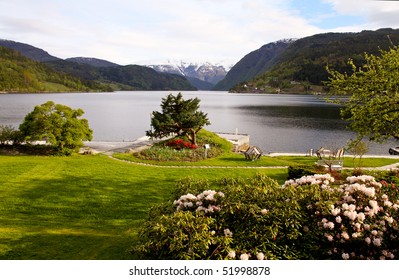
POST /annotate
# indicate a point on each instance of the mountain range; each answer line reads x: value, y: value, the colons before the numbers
x: 203, y: 75
x: 97, y: 74
x: 289, y: 65
x: 168, y: 76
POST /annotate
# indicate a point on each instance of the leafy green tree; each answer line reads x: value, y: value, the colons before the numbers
x: 8, y: 134
x: 371, y: 95
x: 57, y: 124
x: 178, y: 116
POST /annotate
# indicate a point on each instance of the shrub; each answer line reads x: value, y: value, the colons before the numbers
x: 299, y: 171
x: 256, y: 218
x: 362, y: 222
x: 249, y: 218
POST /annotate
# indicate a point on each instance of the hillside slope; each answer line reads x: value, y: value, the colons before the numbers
x: 102, y: 74
x: 253, y: 64
x: 21, y: 74
x: 301, y: 67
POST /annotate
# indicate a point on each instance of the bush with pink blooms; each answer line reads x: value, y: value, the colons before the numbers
x: 256, y: 218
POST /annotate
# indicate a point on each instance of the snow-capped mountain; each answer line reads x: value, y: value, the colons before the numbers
x: 210, y: 73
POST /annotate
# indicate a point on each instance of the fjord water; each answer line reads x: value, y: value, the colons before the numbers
x: 275, y: 123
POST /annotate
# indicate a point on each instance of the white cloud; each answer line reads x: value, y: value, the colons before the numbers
x: 128, y: 31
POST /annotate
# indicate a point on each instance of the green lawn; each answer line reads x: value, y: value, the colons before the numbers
x: 90, y: 207
x: 83, y: 207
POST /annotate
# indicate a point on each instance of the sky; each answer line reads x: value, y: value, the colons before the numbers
x: 155, y: 31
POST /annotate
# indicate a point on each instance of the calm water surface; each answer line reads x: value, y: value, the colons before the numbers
x: 275, y: 123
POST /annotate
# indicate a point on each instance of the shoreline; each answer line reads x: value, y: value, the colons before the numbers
x: 110, y: 147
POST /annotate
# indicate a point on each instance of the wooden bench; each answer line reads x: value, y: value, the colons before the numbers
x: 253, y: 153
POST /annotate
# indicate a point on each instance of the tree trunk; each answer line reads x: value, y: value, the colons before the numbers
x: 193, y: 137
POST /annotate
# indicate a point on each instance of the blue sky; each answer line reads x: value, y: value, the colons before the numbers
x: 153, y: 31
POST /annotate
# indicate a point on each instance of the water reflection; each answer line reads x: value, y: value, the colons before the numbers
x: 307, y: 117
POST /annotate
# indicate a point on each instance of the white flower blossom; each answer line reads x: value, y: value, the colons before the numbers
x: 345, y: 235
x: 345, y: 256
x: 227, y: 232
x: 377, y: 242
x: 352, y: 207
x: 361, y: 217
x: 388, y: 203
x: 335, y: 211
x: 244, y: 257
x: 389, y: 219
x: 231, y: 254
x: 260, y: 256
x: 264, y: 211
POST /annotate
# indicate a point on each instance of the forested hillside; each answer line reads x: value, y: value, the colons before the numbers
x: 302, y: 65
x: 253, y: 64
x: 94, y: 74
x: 21, y: 74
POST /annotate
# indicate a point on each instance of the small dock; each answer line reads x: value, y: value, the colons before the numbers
x: 240, y: 141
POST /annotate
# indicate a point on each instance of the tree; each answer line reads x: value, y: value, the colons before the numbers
x: 8, y: 134
x: 57, y: 124
x: 178, y: 116
x: 371, y: 95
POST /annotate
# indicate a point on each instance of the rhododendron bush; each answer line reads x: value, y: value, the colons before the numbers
x: 312, y: 217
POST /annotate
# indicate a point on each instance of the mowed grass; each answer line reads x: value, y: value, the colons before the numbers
x: 84, y: 207
x: 231, y: 159
x: 91, y: 207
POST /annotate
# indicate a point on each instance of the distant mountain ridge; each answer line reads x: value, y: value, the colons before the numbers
x: 94, y: 71
x: 28, y: 51
x: 204, y: 75
x: 92, y: 61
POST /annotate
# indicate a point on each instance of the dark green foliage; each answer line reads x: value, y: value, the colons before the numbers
x: 58, y: 125
x: 371, y: 91
x: 144, y: 78
x: 299, y: 171
x: 130, y: 77
x: 178, y: 116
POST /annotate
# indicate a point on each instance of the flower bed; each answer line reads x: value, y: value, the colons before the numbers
x: 180, y: 144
